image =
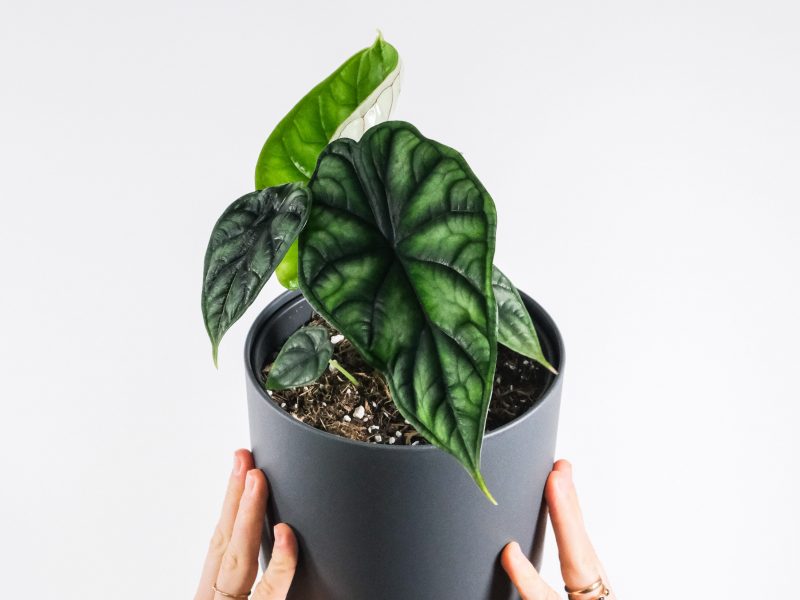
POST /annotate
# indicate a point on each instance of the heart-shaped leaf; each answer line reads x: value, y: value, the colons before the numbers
x: 303, y: 358
x: 515, y: 328
x: 247, y: 243
x: 357, y: 95
x: 397, y: 255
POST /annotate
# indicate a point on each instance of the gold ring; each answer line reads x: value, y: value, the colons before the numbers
x: 227, y: 595
x: 597, y: 585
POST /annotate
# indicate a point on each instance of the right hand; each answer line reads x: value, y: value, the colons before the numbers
x: 580, y: 566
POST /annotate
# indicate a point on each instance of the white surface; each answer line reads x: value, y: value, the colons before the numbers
x: 644, y: 160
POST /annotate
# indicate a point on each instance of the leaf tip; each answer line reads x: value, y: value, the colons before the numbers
x: 476, y: 475
x: 548, y: 366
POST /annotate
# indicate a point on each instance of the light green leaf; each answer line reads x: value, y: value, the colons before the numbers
x: 515, y: 328
x: 357, y: 95
x: 303, y: 358
x: 287, y: 269
x: 247, y: 242
x: 397, y: 255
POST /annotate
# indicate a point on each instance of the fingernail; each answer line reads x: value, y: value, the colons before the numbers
x: 516, y: 552
x: 279, y: 535
x: 250, y: 482
x: 562, y: 483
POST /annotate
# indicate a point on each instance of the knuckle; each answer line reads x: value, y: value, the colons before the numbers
x: 231, y: 561
x: 581, y: 564
x: 219, y: 542
x: 285, y: 565
x: 266, y: 590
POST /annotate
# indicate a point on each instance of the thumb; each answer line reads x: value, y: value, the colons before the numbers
x: 524, y: 575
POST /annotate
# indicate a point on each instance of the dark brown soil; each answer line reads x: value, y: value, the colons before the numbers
x: 335, y: 405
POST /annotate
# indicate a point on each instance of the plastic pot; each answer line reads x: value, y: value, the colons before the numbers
x: 398, y: 522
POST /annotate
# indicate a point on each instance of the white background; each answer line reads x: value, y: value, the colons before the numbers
x: 643, y: 157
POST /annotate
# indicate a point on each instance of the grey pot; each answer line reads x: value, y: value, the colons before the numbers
x: 398, y: 522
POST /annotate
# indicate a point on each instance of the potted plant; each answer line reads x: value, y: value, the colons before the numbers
x: 370, y: 385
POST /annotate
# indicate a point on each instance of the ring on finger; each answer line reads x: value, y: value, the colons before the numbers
x: 227, y: 595
x: 598, y: 586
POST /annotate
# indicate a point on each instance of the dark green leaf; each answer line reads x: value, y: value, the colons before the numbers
x: 248, y: 241
x: 515, y: 328
x: 358, y: 94
x: 302, y: 359
x: 397, y: 255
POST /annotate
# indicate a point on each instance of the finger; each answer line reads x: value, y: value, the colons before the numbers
x: 524, y: 575
x: 242, y: 462
x: 580, y: 566
x: 240, y: 562
x: 277, y: 579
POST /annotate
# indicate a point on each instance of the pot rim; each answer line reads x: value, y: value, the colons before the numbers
x: 543, y: 320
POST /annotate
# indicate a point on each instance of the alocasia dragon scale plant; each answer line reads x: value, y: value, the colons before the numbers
x: 394, y: 238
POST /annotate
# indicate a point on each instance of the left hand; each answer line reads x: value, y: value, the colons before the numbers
x: 232, y: 562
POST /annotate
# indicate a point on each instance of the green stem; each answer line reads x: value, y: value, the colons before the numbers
x: 335, y: 364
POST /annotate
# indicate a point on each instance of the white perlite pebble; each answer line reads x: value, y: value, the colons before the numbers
x: 283, y: 404
x: 391, y: 440
x: 372, y: 428
x: 398, y: 434
x: 358, y: 413
x: 337, y: 338
x: 378, y: 438
x: 406, y: 422
x: 414, y: 443
x: 346, y: 418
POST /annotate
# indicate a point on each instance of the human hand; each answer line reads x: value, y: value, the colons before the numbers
x: 580, y: 567
x: 232, y: 562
